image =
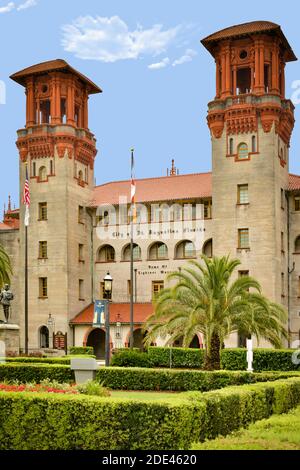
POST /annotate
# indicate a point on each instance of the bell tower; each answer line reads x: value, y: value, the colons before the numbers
x: 59, y: 151
x: 251, y: 123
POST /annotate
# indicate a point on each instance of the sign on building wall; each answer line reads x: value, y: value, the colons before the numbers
x: 60, y: 340
x: 99, y: 312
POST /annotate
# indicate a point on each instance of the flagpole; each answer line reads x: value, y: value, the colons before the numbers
x: 26, y: 200
x: 131, y: 253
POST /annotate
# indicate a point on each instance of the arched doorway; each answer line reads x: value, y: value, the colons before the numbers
x: 138, y: 339
x: 195, y: 343
x: 96, y: 338
x: 44, y: 337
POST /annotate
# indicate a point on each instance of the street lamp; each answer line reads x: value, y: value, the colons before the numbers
x: 108, y: 280
x: 51, y: 328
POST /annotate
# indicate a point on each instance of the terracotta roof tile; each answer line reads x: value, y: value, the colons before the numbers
x: 165, y: 188
x: 14, y: 226
x: 50, y: 66
x: 294, y: 182
x: 118, y: 312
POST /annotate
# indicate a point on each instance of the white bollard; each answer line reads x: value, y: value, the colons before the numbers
x: 249, y: 355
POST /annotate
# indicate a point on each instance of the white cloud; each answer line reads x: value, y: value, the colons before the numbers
x: 187, y: 57
x: 159, y: 65
x: 27, y: 4
x: 109, y: 39
x: 10, y: 6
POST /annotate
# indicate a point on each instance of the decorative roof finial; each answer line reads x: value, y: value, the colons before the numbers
x: 173, y: 170
x: 9, y: 204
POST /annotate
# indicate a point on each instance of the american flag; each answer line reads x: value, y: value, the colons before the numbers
x: 26, y: 199
x: 132, y: 186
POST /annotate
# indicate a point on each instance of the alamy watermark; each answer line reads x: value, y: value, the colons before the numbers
x: 2, y: 92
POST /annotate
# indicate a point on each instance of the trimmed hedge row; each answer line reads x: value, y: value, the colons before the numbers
x: 41, y: 360
x: 35, y: 372
x: 128, y: 358
x: 179, y: 380
x: 263, y: 359
x: 79, y: 350
x: 55, y: 422
x: 176, y: 357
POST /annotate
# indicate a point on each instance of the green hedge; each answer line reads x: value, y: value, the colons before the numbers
x: 81, y: 350
x: 56, y: 422
x: 176, y: 357
x: 263, y: 359
x: 35, y: 372
x: 128, y: 358
x: 178, y: 380
x: 41, y: 360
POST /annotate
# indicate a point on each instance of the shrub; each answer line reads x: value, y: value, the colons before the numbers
x: 42, y: 360
x: 263, y: 359
x: 177, y: 380
x: 128, y: 358
x: 93, y: 388
x: 24, y: 373
x: 176, y: 357
x: 81, y: 350
x: 69, y: 422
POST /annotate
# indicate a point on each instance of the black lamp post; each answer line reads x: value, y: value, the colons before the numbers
x: 108, y: 291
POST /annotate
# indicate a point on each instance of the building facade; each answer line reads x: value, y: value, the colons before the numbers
x: 248, y: 206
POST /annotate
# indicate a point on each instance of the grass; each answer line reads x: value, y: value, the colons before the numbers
x: 145, y: 396
x: 280, y: 432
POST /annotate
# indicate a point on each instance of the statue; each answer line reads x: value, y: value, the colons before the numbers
x: 6, y: 296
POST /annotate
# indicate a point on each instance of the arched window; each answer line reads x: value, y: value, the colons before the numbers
x: 158, y: 251
x: 297, y: 244
x: 185, y: 249
x: 207, y: 249
x: 243, y: 151
x: 136, y: 252
x: 231, y: 146
x: 253, y: 143
x: 44, y: 337
x: 106, y: 254
x: 42, y: 173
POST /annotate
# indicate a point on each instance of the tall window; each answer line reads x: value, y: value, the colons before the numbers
x: 243, y: 197
x: 207, y: 249
x: 81, y: 289
x: 33, y: 169
x: 298, y: 286
x: 157, y: 286
x: 129, y: 287
x: 80, y: 252
x: 282, y: 198
x: 43, y: 250
x: 243, y: 151
x: 51, y: 167
x: 231, y: 146
x: 297, y: 203
x: 43, y: 287
x: 282, y: 285
x: 106, y: 254
x: 282, y: 242
x: 43, y: 213
x: 185, y: 249
x: 136, y: 252
x: 42, y: 173
x: 297, y: 244
x: 253, y: 140
x: 158, y: 251
x: 243, y: 238
x: 207, y: 209
x: 80, y: 215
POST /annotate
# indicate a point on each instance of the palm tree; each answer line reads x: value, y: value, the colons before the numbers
x: 204, y: 299
x: 5, y: 267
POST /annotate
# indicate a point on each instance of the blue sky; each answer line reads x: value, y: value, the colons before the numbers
x: 146, y: 56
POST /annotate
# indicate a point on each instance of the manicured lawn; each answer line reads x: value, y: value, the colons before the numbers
x: 144, y: 396
x: 280, y: 432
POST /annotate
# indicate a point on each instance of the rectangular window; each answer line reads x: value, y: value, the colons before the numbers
x: 80, y: 215
x: 157, y: 286
x: 51, y: 167
x: 33, y: 169
x: 243, y: 240
x: 282, y: 285
x: 43, y: 250
x: 129, y: 287
x: 297, y: 203
x: 282, y: 198
x: 243, y: 197
x: 207, y: 209
x: 282, y: 242
x: 43, y: 213
x: 81, y: 289
x: 43, y: 287
x: 103, y: 294
x: 299, y: 286
x: 80, y: 252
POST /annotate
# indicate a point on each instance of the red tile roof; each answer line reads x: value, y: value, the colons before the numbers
x: 248, y: 28
x: 118, y: 312
x: 294, y: 182
x: 51, y: 66
x: 14, y: 224
x: 165, y: 188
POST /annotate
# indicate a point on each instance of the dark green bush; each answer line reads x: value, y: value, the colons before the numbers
x: 35, y: 372
x: 263, y: 359
x: 128, y: 358
x: 177, y: 380
x: 36, y: 360
x: 33, y: 421
x: 176, y: 357
x: 81, y: 350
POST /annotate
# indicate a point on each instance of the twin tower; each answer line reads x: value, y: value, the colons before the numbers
x: 251, y: 122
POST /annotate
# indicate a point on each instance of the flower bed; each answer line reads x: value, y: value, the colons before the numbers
x: 43, y: 387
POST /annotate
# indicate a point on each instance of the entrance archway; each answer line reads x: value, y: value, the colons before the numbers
x: 195, y: 343
x: 138, y: 339
x: 96, y: 338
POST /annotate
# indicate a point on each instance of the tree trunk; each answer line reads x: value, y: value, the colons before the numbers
x: 212, y: 361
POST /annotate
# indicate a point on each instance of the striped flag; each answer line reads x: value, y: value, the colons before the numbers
x: 132, y: 188
x: 26, y: 199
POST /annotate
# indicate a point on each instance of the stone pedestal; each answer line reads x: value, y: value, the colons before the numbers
x: 9, y: 339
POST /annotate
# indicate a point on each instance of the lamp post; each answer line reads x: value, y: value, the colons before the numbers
x: 51, y: 327
x: 108, y: 280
